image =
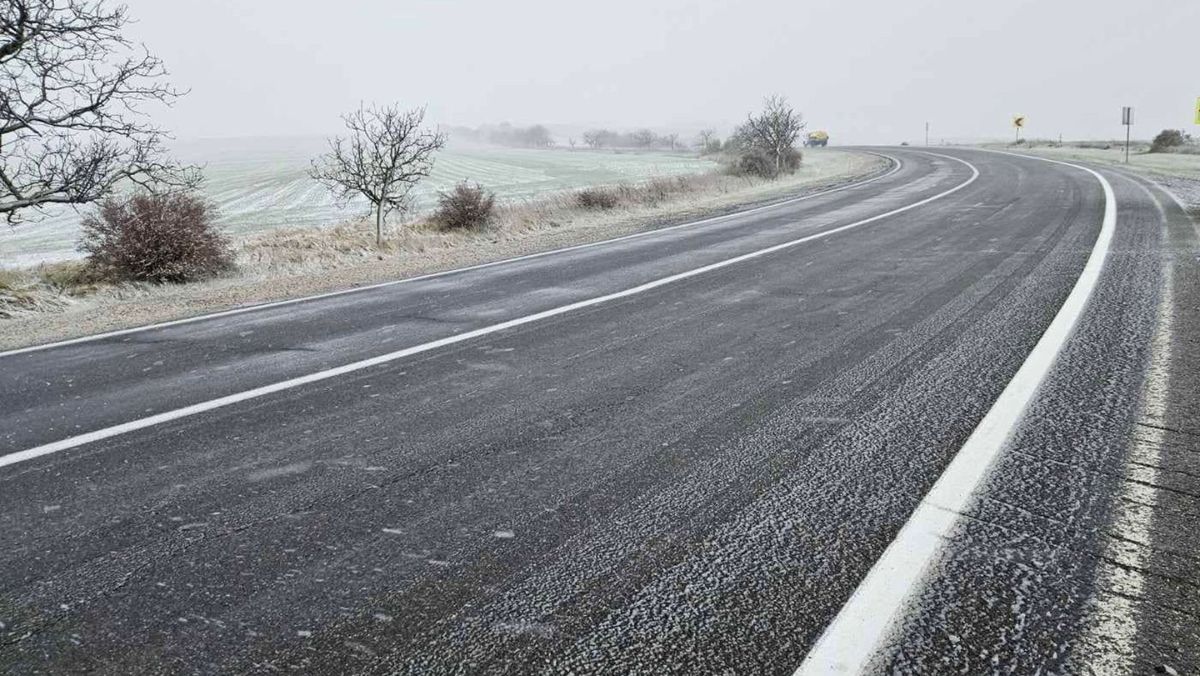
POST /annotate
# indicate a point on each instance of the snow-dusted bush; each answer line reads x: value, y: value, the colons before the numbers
x: 466, y: 207
x: 156, y: 238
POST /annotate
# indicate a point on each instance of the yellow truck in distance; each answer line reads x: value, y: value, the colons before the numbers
x: 817, y: 139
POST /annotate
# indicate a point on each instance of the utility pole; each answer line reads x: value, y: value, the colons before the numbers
x: 1127, y: 120
x: 927, y: 134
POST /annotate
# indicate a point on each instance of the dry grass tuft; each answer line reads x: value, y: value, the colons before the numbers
x: 47, y: 287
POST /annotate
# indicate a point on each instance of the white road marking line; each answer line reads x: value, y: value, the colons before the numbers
x: 857, y: 632
x: 149, y: 421
x: 897, y: 165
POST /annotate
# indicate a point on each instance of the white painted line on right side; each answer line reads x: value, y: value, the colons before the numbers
x: 859, y: 629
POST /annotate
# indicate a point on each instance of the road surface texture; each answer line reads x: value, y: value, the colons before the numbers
x: 691, y: 475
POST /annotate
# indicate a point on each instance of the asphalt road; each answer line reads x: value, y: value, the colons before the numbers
x: 691, y: 476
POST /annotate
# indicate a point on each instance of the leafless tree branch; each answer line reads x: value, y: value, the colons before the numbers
x: 71, y: 94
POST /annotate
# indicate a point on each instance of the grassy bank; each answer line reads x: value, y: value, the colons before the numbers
x: 53, y: 302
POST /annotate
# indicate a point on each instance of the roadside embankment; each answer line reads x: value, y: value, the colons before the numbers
x: 55, y: 302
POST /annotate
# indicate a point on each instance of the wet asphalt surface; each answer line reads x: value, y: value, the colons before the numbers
x: 688, y: 480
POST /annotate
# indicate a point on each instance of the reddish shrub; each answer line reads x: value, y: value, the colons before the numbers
x: 466, y: 207
x: 156, y: 238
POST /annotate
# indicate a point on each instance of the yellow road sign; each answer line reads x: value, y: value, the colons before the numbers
x: 1198, y: 110
x: 1019, y: 121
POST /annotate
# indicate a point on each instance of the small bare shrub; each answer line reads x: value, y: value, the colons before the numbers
x: 597, y: 198
x: 155, y: 238
x: 466, y: 207
x: 752, y: 163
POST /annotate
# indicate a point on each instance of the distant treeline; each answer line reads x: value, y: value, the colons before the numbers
x: 642, y: 138
x: 539, y: 136
x: 505, y: 134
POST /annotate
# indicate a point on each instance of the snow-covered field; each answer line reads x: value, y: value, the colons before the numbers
x: 262, y: 183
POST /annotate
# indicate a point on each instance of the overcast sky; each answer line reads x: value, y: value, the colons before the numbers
x: 869, y: 71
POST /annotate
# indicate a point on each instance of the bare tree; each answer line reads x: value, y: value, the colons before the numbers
x: 672, y: 140
x: 707, y: 137
x: 644, y: 138
x: 387, y: 153
x: 537, y: 136
x: 72, y: 88
x: 593, y: 138
x: 775, y: 130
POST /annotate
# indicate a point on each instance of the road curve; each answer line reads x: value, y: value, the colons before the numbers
x: 693, y: 477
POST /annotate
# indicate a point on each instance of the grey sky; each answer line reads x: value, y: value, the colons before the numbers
x: 870, y: 71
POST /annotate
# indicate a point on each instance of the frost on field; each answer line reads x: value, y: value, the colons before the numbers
x: 262, y: 183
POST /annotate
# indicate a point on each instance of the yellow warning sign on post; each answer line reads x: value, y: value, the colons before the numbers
x: 1198, y: 110
x: 1018, y: 121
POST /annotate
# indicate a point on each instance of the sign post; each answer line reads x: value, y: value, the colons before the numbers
x: 1127, y: 120
x: 1198, y: 110
x: 1018, y: 124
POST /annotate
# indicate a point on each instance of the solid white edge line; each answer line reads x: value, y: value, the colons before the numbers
x: 897, y: 165
x: 115, y: 430
x: 858, y: 630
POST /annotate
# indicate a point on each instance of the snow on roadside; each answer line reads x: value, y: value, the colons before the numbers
x: 1186, y: 189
